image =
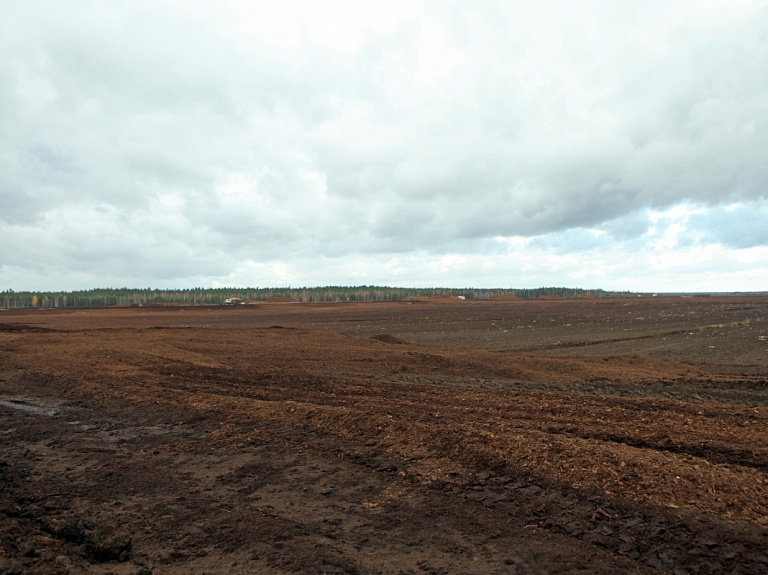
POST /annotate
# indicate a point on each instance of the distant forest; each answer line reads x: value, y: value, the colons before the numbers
x: 215, y: 296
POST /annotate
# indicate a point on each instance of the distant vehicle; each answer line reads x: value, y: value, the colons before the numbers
x: 233, y: 301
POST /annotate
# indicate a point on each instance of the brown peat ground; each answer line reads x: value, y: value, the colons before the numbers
x: 428, y: 437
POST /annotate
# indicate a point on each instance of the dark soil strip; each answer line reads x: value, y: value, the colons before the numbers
x: 21, y: 327
x: 711, y: 453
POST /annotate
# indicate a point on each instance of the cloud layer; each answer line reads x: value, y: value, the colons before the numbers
x: 597, y: 144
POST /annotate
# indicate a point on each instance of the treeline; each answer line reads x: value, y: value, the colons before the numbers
x: 214, y: 296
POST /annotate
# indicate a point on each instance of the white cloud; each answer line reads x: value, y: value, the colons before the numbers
x: 353, y: 142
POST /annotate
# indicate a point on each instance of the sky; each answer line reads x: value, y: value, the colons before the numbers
x: 595, y: 144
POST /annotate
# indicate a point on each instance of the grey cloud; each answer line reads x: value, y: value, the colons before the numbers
x: 627, y: 227
x: 18, y: 207
x: 108, y: 246
x: 45, y: 160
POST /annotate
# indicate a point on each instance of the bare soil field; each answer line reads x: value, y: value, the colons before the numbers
x: 423, y: 437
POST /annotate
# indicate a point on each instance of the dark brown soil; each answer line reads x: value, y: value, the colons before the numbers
x: 560, y: 436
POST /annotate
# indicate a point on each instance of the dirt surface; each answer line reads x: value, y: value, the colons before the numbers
x: 430, y: 437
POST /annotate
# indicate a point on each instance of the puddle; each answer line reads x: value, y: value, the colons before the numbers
x: 26, y: 405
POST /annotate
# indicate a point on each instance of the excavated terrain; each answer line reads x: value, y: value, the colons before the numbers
x: 430, y: 437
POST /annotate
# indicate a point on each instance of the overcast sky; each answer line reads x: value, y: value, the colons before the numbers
x: 616, y: 145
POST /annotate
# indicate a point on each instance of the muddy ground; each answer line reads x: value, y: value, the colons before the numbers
x: 563, y: 436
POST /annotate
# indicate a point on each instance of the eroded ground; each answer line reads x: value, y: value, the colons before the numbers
x: 578, y: 436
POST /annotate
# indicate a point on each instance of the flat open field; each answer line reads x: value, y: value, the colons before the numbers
x: 563, y: 436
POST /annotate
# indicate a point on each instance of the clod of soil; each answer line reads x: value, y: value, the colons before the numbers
x: 389, y: 338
